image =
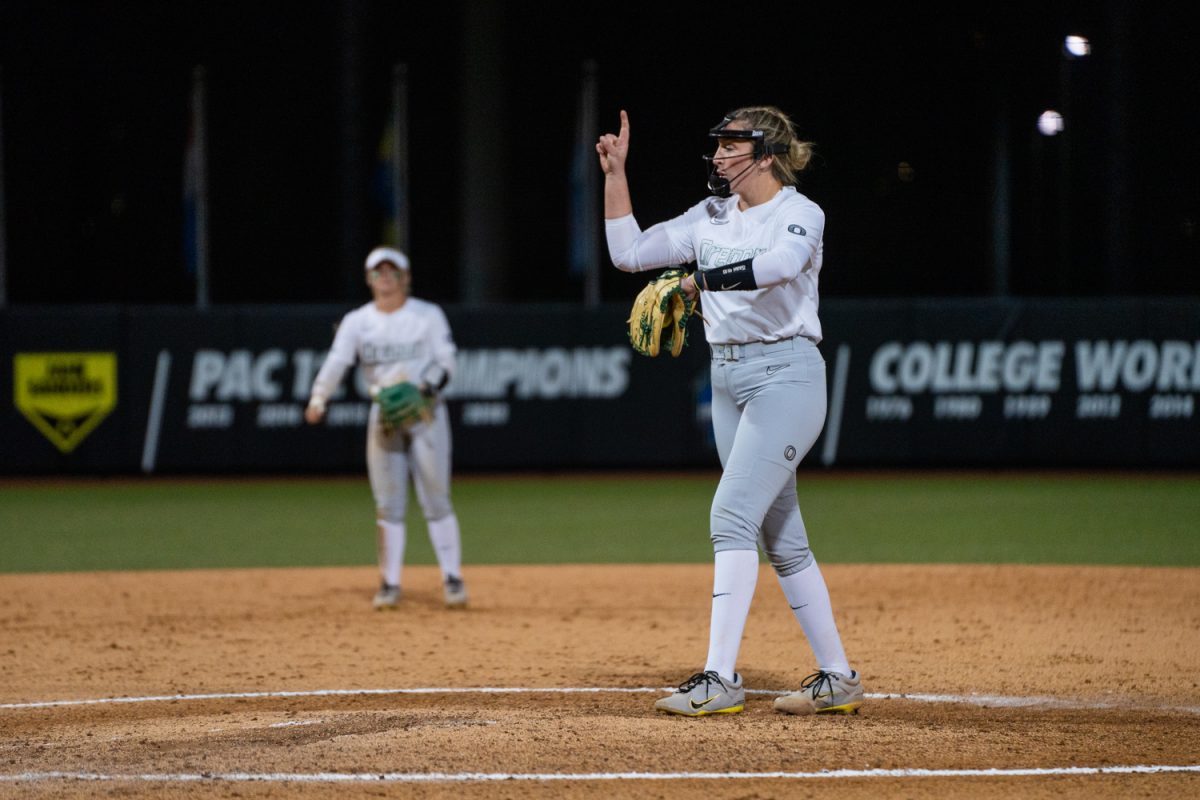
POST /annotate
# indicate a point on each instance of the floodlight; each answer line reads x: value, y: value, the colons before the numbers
x: 1077, y: 46
x: 1050, y: 123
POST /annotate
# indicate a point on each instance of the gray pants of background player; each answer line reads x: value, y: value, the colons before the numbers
x: 768, y: 409
x: 425, y: 453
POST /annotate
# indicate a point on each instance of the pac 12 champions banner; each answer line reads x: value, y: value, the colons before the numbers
x: 911, y: 383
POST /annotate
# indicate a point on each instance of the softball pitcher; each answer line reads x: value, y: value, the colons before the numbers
x: 757, y: 244
x: 397, y: 337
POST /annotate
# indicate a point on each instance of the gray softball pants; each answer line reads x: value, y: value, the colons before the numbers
x: 768, y: 408
x: 425, y: 452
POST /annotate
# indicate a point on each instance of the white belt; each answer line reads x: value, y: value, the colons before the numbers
x: 738, y: 352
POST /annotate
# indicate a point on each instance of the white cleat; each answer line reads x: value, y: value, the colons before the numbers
x: 824, y: 693
x: 388, y: 596
x: 455, y: 591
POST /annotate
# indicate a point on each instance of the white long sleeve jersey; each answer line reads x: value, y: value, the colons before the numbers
x: 413, y: 343
x: 783, y: 236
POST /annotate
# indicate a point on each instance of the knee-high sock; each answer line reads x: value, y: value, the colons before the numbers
x: 809, y: 598
x: 391, y: 551
x: 735, y: 574
x: 447, y: 544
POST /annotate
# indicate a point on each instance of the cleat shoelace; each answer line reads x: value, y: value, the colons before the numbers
x: 700, y: 677
x: 816, y: 681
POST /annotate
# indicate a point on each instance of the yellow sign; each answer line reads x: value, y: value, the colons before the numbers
x: 65, y: 395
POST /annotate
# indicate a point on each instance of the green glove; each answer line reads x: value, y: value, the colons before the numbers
x: 401, y: 406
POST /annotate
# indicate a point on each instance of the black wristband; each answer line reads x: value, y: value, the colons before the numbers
x: 738, y: 275
x: 435, y: 377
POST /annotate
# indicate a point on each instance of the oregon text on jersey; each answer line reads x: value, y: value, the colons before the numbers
x: 713, y: 256
x: 390, y: 352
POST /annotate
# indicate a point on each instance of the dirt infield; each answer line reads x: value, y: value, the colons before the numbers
x: 1004, y: 668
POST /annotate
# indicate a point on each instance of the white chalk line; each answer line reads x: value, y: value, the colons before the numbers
x: 1009, y: 701
x: 332, y: 693
x: 990, y: 701
x: 471, y: 777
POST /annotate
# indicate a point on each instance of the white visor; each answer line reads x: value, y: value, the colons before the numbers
x: 389, y: 254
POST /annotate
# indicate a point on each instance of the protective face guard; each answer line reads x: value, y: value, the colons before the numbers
x: 721, y: 187
x: 755, y: 135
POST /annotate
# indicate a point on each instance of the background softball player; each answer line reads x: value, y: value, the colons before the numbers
x: 396, y: 337
x: 758, y: 248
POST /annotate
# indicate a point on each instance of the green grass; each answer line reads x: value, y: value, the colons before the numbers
x: 1100, y: 518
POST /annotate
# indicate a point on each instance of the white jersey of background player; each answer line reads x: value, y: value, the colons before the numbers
x: 395, y: 338
x: 758, y: 250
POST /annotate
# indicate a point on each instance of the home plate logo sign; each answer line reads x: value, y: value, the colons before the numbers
x: 65, y: 395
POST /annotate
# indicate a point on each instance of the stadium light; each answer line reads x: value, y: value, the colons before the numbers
x: 1077, y: 46
x: 1050, y: 123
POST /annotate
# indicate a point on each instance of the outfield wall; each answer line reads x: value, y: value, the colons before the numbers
x: 945, y: 382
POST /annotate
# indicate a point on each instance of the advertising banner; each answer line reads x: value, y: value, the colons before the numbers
x: 946, y: 382
x: 1032, y: 383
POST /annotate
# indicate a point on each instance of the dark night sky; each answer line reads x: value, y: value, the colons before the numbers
x: 95, y: 96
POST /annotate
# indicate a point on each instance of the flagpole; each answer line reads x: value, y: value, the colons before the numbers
x: 399, y: 165
x: 589, y: 211
x: 3, y: 208
x: 200, y: 132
